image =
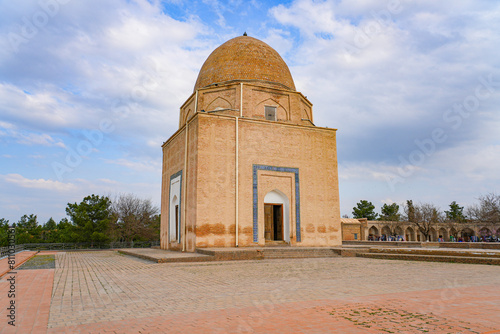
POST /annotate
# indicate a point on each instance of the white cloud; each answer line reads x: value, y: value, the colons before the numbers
x: 140, y: 166
x: 132, y: 63
x: 372, y: 172
x: 218, y: 8
x: 47, y: 109
x: 110, y: 182
x: 6, y: 125
x: 128, y: 65
x: 280, y: 40
x: 388, y: 201
x: 472, y: 163
x: 32, y: 138
x: 50, y: 185
x: 39, y: 139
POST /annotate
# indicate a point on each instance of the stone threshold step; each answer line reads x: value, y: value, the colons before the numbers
x: 267, y: 253
x: 432, y: 258
x: 156, y: 259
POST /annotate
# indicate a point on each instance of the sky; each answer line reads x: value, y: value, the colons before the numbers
x: 89, y: 90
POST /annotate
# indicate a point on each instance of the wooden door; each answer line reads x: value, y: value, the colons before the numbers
x: 278, y: 222
x: 268, y: 222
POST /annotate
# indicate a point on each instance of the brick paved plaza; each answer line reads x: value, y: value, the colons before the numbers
x: 105, y: 292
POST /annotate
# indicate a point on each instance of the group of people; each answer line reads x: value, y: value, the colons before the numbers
x: 384, y: 237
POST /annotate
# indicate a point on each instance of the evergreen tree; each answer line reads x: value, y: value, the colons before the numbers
x: 456, y: 213
x: 28, y: 230
x: 4, y: 226
x: 48, y: 231
x: 364, y: 209
x: 390, y: 212
x: 90, y: 219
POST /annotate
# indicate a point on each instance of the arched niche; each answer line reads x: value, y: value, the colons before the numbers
x: 281, y: 112
x: 187, y: 116
x: 174, y: 219
x: 218, y: 103
x: 174, y: 208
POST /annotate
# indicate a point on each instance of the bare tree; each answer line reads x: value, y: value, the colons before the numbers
x: 423, y: 216
x: 134, y: 218
x: 487, y: 211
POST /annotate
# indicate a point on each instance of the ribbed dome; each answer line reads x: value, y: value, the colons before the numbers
x: 244, y: 58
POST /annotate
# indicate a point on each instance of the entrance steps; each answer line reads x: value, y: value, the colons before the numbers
x: 232, y: 253
x: 434, y: 255
x: 275, y: 252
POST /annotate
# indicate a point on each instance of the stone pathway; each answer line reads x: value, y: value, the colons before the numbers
x: 100, y: 292
x: 20, y: 258
x: 32, y: 301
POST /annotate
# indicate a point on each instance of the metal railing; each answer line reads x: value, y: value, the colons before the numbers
x: 4, y: 251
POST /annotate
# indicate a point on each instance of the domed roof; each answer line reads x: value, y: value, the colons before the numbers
x: 244, y: 58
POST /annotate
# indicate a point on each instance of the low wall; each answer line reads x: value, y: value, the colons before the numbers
x: 466, y: 245
x: 382, y: 243
x: 473, y: 245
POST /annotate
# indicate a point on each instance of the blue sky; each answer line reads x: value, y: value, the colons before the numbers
x: 89, y: 90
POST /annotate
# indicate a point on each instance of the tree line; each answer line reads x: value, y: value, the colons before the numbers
x: 425, y: 216
x: 96, y: 219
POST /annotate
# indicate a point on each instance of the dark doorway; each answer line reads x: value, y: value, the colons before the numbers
x: 177, y: 222
x: 273, y: 224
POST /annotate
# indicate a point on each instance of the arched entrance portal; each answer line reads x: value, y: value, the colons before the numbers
x: 443, y: 234
x: 433, y: 236
x: 386, y: 233
x: 373, y: 233
x: 410, y: 234
x: 467, y: 233
x: 276, y: 216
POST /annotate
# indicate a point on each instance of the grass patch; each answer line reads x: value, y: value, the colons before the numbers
x: 40, y: 262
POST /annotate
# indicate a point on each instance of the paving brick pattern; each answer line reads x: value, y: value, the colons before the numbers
x: 105, y: 291
x: 20, y: 258
x: 32, y: 300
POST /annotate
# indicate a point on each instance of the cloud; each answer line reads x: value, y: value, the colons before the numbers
x: 39, y: 139
x: 47, y: 109
x: 218, y: 8
x: 144, y: 60
x: 6, y: 125
x: 25, y: 138
x: 140, y: 166
x: 384, y: 81
x: 386, y: 76
x: 49, y: 185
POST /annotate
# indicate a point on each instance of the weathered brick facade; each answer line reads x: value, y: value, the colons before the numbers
x: 233, y: 160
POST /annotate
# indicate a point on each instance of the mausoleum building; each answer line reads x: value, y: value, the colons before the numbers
x: 247, y: 166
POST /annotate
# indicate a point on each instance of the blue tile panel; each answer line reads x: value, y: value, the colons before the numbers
x: 173, y: 176
x: 255, y: 197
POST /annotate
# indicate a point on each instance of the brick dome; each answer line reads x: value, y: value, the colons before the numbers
x: 244, y: 58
